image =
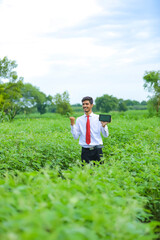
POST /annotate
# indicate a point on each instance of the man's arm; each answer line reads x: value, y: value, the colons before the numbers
x: 104, y: 129
x: 74, y: 128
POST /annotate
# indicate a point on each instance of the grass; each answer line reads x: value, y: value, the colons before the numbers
x: 45, y: 192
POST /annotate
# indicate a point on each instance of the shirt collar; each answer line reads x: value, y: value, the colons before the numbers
x: 91, y: 115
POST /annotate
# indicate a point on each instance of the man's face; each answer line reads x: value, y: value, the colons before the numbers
x: 87, y: 107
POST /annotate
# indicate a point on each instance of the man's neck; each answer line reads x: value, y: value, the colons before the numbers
x: 88, y: 113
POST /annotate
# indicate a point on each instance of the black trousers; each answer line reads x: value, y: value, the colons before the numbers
x: 94, y: 154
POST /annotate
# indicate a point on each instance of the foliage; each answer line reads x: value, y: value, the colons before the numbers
x: 45, y: 192
x: 80, y: 204
x: 122, y: 106
x: 106, y: 103
x: 135, y: 105
x: 10, y: 92
x: 7, y: 72
x: 3, y: 116
x: 129, y: 102
x: 152, y: 106
x: 152, y: 83
x: 33, y: 97
x: 143, y: 103
x: 62, y: 103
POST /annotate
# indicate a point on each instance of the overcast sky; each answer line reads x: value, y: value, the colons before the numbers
x: 85, y: 47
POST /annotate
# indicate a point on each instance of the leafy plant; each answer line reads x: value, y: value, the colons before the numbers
x: 45, y: 192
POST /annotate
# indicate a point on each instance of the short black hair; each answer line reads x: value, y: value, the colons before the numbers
x: 90, y: 99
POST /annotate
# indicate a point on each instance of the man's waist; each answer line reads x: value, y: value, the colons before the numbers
x: 93, y: 147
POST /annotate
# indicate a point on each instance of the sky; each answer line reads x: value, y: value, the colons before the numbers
x: 85, y: 47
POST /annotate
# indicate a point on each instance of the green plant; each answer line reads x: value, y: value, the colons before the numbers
x: 45, y: 192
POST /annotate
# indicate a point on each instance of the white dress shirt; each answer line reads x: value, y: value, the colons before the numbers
x: 96, y: 128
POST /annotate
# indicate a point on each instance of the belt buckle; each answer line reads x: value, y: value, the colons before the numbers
x: 92, y: 148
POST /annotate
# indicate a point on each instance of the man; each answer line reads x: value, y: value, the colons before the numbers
x: 89, y: 129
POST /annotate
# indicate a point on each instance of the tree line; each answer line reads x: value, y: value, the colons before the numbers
x: 19, y: 97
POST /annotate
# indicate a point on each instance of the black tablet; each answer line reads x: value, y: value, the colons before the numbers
x: 104, y: 118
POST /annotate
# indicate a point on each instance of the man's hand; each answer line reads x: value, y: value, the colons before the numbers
x: 72, y: 119
x: 104, y: 124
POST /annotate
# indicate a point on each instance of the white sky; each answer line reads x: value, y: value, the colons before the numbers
x: 85, y: 47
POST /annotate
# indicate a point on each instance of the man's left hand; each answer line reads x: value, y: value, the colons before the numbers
x: 104, y: 124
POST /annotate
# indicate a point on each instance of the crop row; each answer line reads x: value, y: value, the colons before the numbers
x: 45, y: 192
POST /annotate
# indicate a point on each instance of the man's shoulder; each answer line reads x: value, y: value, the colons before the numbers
x: 80, y: 118
x: 83, y: 116
x: 95, y: 115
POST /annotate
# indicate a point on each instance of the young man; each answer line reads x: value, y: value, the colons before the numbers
x: 89, y: 129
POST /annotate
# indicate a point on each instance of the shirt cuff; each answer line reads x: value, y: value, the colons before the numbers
x: 72, y: 127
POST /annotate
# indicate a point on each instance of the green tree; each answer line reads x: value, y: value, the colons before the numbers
x: 122, y: 106
x: 106, y: 103
x: 32, y: 98
x: 135, y: 102
x: 152, y: 83
x: 152, y: 102
x: 10, y: 92
x: 6, y: 70
x: 50, y: 106
x: 129, y: 102
x: 62, y: 103
x: 143, y: 103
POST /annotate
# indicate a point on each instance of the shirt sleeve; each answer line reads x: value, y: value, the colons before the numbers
x: 75, y: 130
x: 105, y: 131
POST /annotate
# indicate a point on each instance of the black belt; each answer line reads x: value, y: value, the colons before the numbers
x: 95, y: 147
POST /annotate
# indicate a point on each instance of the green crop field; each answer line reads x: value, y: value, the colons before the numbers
x: 45, y: 193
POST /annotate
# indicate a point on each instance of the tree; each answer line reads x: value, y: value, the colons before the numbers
x: 152, y: 83
x: 32, y: 97
x: 106, y: 103
x: 129, y: 102
x: 122, y: 106
x: 10, y: 92
x: 6, y: 70
x: 152, y: 102
x: 143, y: 103
x: 135, y: 102
x: 62, y: 103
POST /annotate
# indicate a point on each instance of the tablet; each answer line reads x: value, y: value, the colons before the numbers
x: 104, y: 118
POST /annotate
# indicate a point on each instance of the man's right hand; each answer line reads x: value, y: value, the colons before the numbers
x: 72, y: 119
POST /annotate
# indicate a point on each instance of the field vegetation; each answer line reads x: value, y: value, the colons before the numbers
x: 46, y: 193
